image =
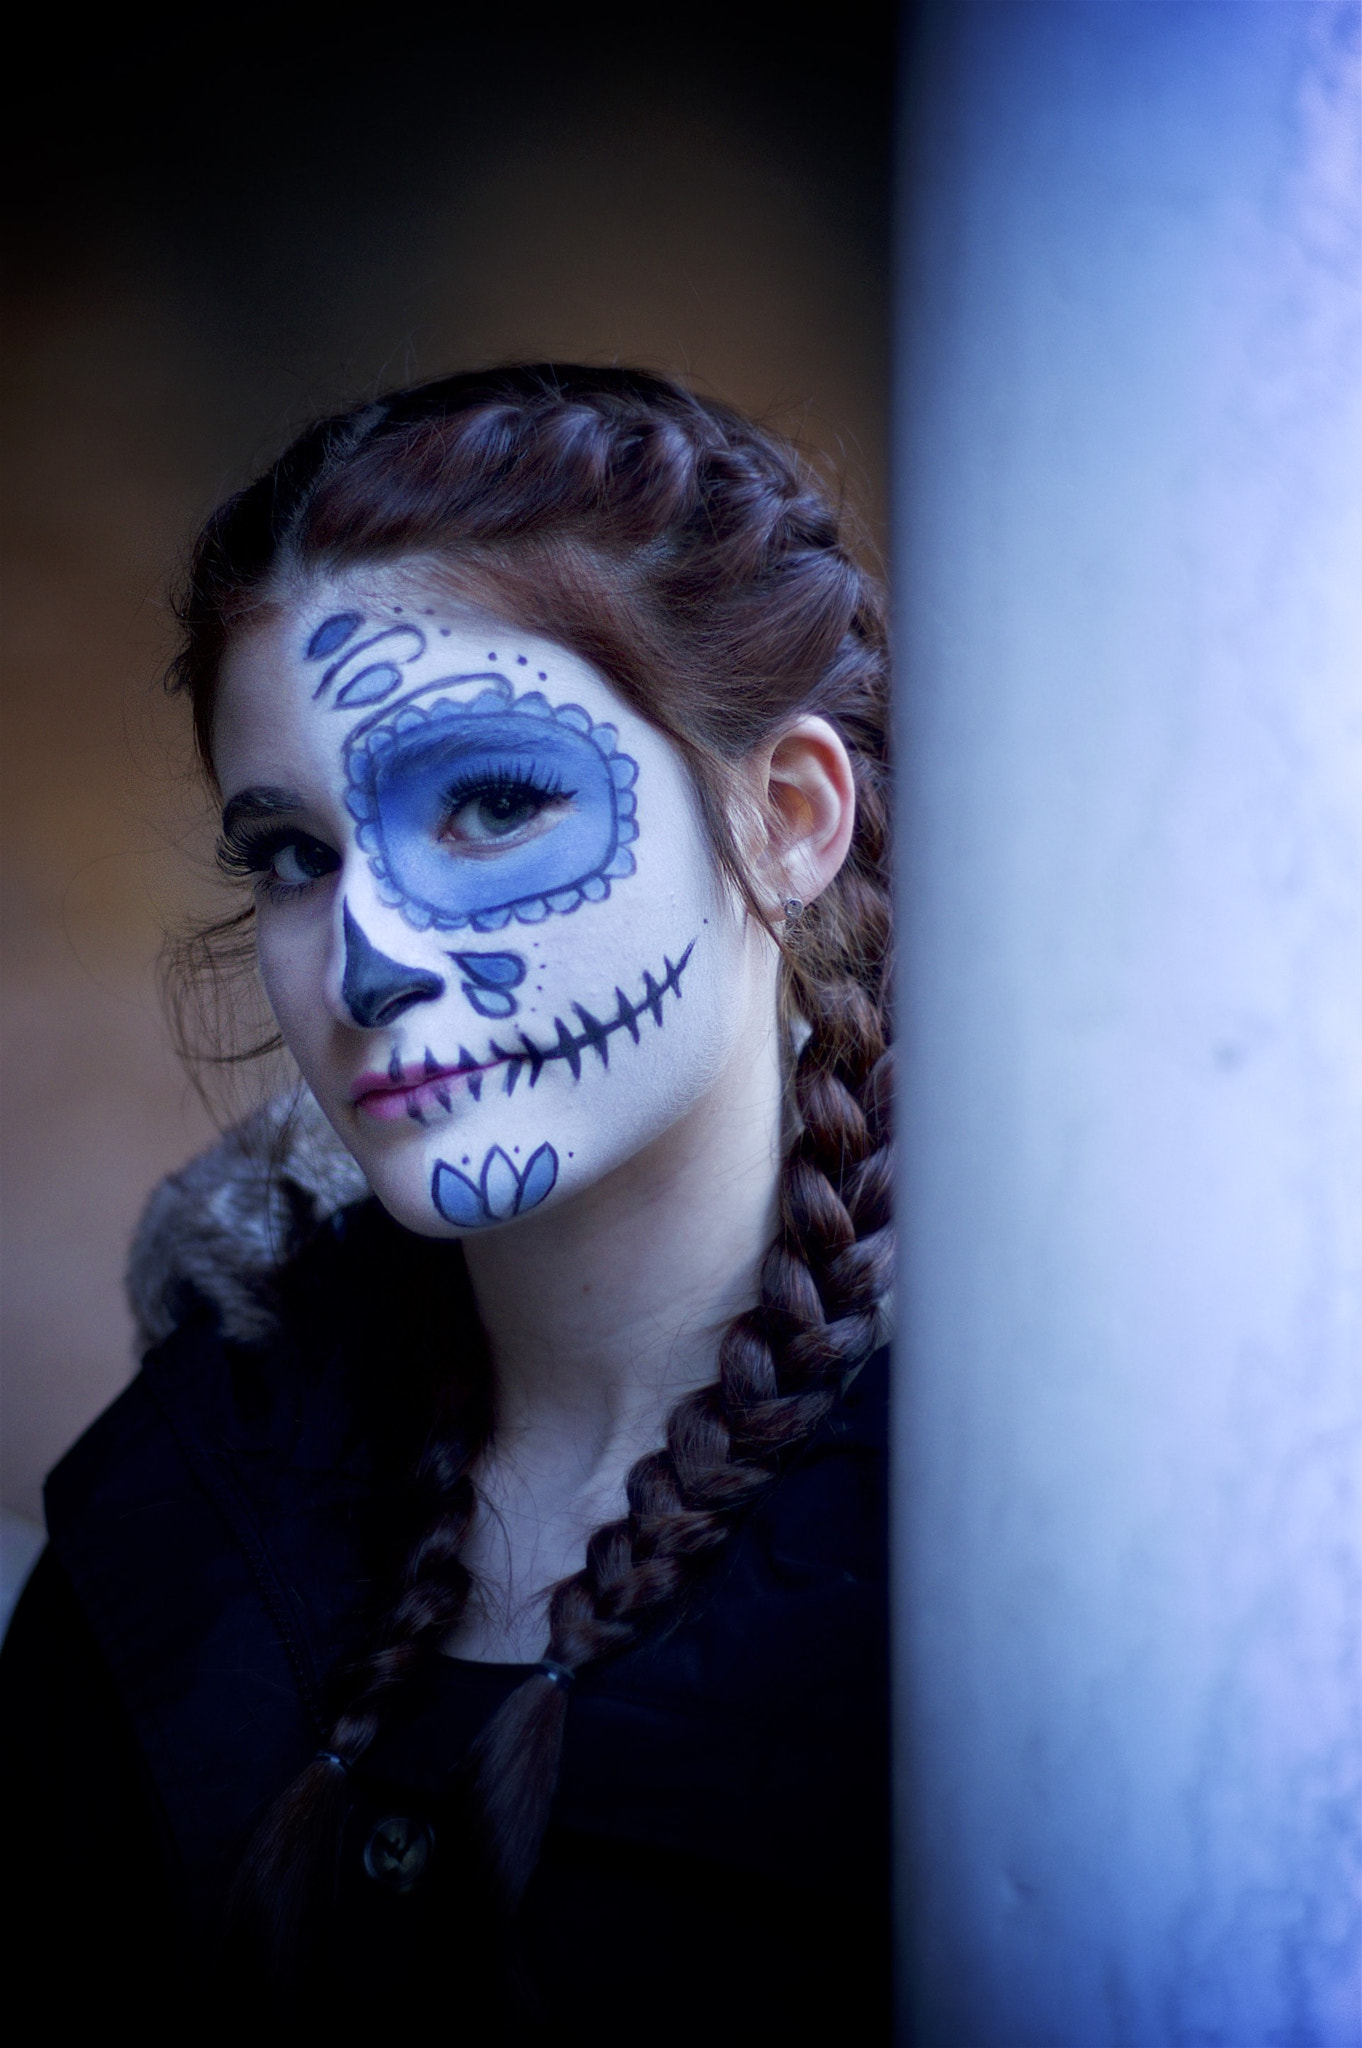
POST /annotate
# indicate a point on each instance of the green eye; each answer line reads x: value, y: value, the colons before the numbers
x: 477, y: 819
x: 282, y: 859
x: 501, y: 811
x: 300, y: 861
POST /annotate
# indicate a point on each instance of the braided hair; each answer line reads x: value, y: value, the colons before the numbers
x: 695, y: 561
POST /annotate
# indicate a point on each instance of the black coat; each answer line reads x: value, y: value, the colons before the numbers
x: 716, y: 1867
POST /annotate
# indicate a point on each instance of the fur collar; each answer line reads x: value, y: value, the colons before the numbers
x: 224, y: 1225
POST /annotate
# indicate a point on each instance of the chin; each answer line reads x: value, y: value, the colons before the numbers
x: 463, y: 1186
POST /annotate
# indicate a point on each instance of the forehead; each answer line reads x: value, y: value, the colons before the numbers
x: 343, y: 663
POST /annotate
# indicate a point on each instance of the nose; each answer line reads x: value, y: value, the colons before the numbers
x: 375, y: 989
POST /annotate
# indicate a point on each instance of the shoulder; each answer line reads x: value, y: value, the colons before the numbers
x: 269, y: 1247
x: 81, y: 1806
x: 220, y: 1526
x: 260, y: 1278
x: 220, y: 1231
x: 755, y: 1727
x: 828, y: 1512
x: 271, y: 1296
x: 257, y: 1276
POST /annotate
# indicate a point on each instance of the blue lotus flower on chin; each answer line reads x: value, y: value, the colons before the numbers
x: 502, y: 1190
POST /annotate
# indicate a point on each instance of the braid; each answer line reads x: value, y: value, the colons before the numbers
x: 693, y: 559
x: 782, y: 1365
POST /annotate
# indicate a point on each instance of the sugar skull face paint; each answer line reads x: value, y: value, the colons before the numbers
x: 437, y: 788
x: 489, y: 921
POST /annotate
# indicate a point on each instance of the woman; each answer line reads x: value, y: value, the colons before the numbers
x: 547, y: 710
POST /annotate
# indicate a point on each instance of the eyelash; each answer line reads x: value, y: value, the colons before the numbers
x: 248, y: 856
x: 505, y: 781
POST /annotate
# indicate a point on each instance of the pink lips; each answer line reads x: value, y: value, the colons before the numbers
x: 413, y: 1091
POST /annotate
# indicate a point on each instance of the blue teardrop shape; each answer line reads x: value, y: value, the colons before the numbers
x: 490, y: 1002
x: 333, y: 633
x: 491, y: 970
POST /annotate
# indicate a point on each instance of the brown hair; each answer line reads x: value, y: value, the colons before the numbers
x: 695, y: 561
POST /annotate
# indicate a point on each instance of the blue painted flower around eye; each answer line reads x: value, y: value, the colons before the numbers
x: 501, y: 1191
x: 407, y: 770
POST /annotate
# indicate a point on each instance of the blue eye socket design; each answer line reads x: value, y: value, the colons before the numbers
x: 504, y: 807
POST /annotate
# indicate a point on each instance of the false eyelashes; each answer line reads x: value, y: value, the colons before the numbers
x: 403, y: 767
x: 250, y: 855
x: 514, y: 778
x: 513, y: 775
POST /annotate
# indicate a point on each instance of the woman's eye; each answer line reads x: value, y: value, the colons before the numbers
x: 487, y: 817
x: 300, y: 861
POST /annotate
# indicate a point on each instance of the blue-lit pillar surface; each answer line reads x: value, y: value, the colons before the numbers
x: 1129, y: 571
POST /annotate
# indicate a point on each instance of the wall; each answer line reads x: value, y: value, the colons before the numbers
x: 1127, y: 556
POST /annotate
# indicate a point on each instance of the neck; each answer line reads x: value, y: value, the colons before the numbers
x: 601, y: 1313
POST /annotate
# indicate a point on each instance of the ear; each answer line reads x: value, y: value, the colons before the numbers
x: 811, y: 803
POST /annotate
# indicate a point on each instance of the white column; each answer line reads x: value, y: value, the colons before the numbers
x: 1129, y: 572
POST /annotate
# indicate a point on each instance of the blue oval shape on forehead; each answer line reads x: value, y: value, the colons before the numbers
x: 372, y: 684
x: 405, y: 771
x: 333, y: 633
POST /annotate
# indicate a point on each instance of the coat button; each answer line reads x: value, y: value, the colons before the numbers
x: 398, y: 1850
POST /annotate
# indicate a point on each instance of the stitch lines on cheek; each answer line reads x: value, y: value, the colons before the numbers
x: 428, y: 1091
x: 503, y: 1189
x: 548, y: 794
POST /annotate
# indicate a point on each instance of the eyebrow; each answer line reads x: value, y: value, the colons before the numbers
x: 263, y: 801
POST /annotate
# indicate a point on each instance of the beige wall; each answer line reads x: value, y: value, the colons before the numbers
x: 164, y: 337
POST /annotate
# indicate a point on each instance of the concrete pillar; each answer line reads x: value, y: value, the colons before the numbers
x: 1129, y: 571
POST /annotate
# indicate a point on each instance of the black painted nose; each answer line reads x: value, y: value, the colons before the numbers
x: 375, y: 989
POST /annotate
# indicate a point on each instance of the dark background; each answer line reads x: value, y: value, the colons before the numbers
x: 217, y: 231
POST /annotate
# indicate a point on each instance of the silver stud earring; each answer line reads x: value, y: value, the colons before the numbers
x: 793, y: 908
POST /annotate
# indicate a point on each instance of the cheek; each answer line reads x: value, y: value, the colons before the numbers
x: 293, y: 956
x: 670, y: 996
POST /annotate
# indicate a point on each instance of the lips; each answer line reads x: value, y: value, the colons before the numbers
x: 417, y: 1091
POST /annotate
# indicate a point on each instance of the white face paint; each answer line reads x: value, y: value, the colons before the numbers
x: 489, y: 922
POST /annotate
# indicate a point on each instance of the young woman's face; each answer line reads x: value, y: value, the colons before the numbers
x: 489, y: 923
